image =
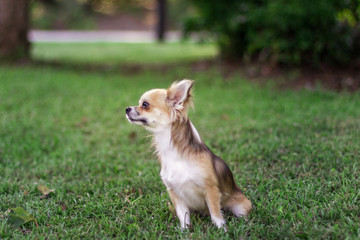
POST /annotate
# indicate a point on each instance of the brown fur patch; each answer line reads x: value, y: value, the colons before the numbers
x: 213, y: 197
x: 224, y: 175
x: 184, y: 140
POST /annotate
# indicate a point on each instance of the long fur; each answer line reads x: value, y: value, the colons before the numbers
x: 195, y: 177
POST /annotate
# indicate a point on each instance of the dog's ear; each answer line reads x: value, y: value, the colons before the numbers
x: 179, y: 94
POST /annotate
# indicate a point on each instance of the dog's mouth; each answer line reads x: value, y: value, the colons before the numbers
x: 141, y: 120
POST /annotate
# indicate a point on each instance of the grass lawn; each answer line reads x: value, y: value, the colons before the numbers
x: 124, y: 53
x: 295, y: 154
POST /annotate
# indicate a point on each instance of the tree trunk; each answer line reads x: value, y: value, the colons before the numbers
x: 161, y: 20
x: 14, y: 25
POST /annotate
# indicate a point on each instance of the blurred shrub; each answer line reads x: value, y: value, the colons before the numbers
x: 281, y: 31
x: 60, y: 14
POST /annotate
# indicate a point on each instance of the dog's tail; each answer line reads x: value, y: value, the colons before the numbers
x: 238, y: 204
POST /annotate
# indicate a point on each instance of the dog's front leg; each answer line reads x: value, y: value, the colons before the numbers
x: 182, y: 210
x: 213, y: 198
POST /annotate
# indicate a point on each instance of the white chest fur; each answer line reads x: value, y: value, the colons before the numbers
x: 179, y: 174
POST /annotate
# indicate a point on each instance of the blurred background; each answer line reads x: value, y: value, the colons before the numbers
x: 104, y: 14
x: 292, y: 32
x: 276, y: 96
x: 141, y: 20
x: 319, y: 39
x: 118, y: 20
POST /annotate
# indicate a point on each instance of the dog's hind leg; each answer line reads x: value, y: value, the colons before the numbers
x: 213, y: 197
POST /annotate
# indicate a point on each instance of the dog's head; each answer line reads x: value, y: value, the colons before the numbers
x: 159, y: 108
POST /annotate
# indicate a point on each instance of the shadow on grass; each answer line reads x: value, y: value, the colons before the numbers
x: 128, y: 68
x: 326, y: 77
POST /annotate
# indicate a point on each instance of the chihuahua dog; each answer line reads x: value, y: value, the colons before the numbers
x: 195, y: 178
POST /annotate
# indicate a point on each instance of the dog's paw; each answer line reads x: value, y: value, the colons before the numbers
x: 185, y: 227
x: 219, y: 222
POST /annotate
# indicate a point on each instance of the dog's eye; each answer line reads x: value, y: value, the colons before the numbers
x: 145, y: 105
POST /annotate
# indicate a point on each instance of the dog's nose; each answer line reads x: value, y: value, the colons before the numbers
x: 127, y: 110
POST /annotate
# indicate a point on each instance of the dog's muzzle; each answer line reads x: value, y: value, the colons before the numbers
x: 132, y: 116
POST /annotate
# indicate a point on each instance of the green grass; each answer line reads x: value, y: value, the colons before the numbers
x: 295, y: 154
x: 122, y: 53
